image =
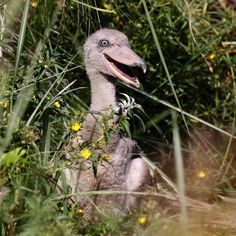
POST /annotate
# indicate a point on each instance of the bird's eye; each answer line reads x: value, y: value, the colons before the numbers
x: 104, y: 43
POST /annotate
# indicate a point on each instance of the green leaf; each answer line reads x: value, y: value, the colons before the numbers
x: 125, y: 126
x: 12, y: 157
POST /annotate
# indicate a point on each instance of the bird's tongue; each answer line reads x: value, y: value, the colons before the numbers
x: 121, y: 61
x: 122, y: 72
x: 125, y: 71
x: 122, y: 69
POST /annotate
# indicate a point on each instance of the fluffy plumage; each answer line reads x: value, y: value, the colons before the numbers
x: 108, y: 57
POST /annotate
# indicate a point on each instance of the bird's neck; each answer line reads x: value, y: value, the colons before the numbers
x: 103, y: 96
x: 103, y: 92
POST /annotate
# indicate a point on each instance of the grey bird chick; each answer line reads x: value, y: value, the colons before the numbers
x: 108, y: 58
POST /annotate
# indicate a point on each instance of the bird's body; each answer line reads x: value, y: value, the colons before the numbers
x: 108, y: 56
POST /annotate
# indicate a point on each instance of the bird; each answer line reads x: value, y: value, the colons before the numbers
x: 108, y: 58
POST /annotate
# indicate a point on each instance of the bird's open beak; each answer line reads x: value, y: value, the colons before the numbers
x: 120, y: 61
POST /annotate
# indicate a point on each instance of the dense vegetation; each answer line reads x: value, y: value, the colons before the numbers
x: 190, y: 50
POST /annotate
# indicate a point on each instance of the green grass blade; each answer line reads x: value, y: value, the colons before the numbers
x: 40, y: 103
x: 160, y: 172
x: 20, y: 43
x: 179, y: 173
x: 47, y: 141
x: 92, y: 7
x: 163, y: 59
x: 195, y: 118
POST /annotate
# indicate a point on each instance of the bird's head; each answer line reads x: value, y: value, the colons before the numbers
x: 107, y: 51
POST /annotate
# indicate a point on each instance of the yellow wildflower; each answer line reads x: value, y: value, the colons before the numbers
x: 4, y: 104
x: 34, y: 3
x: 201, y: 174
x: 57, y: 104
x: 142, y: 220
x: 212, y: 56
x: 80, y: 211
x: 75, y: 126
x: 118, y: 19
x: 85, y: 153
x: 138, y: 25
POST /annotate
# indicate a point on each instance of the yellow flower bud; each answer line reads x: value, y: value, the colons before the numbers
x: 34, y: 3
x: 142, y: 220
x: 201, y: 174
x: 106, y: 157
x: 57, y: 104
x: 212, y: 56
x: 4, y: 104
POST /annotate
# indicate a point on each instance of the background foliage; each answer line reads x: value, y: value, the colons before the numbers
x: 44, y: 91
